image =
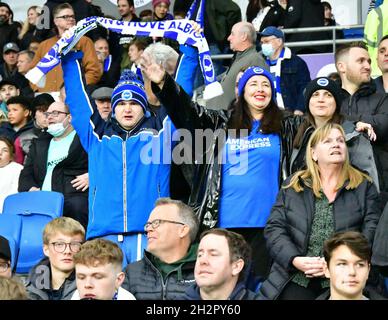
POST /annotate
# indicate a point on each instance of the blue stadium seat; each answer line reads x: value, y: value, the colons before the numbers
x: 11, y: 228
x: 35, y: 209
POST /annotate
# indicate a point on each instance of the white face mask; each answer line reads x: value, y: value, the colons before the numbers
x: 267, y: 49
x: 57, y: 129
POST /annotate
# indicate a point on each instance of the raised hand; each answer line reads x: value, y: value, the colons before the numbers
x: 153, y: 70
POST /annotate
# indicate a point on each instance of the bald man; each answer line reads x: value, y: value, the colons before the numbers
x: 57, y: 162
x: 242, y: 40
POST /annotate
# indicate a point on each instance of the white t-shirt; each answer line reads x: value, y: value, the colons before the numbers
x: 9, y: 181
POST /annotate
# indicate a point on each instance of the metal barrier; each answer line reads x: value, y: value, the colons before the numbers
x: 334, y: 41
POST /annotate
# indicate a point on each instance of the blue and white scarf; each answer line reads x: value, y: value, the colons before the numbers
x: 179, y: 30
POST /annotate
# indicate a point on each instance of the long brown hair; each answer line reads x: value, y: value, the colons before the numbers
x: 311, y: 176
x: 241, y: 117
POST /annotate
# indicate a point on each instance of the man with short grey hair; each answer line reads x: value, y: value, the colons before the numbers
x: 167, y: 268
x: 242, y: 41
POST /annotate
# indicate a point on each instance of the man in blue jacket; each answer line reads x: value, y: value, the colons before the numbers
x: 129, y: 158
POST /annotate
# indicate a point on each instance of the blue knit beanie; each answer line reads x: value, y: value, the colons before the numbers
x: 130, y: 88
x: 255, y: 71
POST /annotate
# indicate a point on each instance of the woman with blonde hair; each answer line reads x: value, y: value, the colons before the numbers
x: 328, y: 197
x: 29, y: 29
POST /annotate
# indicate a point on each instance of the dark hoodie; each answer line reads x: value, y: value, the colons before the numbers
x: 39, y: 285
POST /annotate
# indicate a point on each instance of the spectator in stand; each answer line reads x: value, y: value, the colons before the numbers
x: 29, y: 29
x: 290, y: 71
x: 330, y: 22
x: 323, y: 102
x: 348, y: 262
x: 8, y: 30
x: 20, y: 124
x: 120, y: 141
x: 102, y: 97
x: 264, y: 13
x: 34, y: 45
x: 223, y: 260
x: 118, y: 43
x: 53, y: 278
x: 98, y: 272
x: 8, y: 89
x: 57, y: 162
x: 362, y: 103
x: 311, y: 206
x: 146, y: 15
x: 135, y: 50
x: 110, y: 68
x: 167, y: 268
x: 40, y: 104
x: 161, y: 8
x: 9, y: 70
x: 301, y: 14
x: 64, y: 18
x: 25, y: 61
x: 9, y: 170
x: 12, y: 289
x: 242, y: 42
x: 226, y: 179
x: 382, y: 62
x: 5, y: 258
x: 376, y: 26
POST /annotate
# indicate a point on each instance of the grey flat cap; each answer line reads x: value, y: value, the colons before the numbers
x: 102, y: 93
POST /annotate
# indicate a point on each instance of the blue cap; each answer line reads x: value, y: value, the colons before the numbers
x: 255, y: 71
x: 272, y: 31
x: 130, y: 88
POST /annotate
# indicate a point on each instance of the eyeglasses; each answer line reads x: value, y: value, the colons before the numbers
x: 4, y: 266
x: 54, y: 113
x: 67, y: 17
x: 156, y: 223
x: 61, y: 246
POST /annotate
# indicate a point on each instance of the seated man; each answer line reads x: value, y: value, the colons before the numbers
x: 98, y: 272
x: 5, y: 258
x: 222, y: 261
x: 167, y: 268
x: 348, y: 257
x: 102, y: 97
x: 8, y: 89
x: 53, y: 278
x: 58, y: 162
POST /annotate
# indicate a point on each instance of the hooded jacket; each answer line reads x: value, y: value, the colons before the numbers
x: 128, y: 170
x: 39, y: 283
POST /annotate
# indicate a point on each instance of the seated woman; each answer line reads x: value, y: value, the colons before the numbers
x: 323, y: 102
x: 328, y: 197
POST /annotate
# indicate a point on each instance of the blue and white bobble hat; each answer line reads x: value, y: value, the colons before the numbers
x: 255, y: 71
x: 130, y: 88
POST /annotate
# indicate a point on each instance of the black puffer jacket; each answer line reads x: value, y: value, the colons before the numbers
x: 76, y: 163
x: 205, y: 178
x: 288, y: 228
x: 369, y: 106
x: 145, y: 281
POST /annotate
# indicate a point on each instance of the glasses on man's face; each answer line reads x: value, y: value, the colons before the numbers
x: 156, y: 223
x: 54, y: 113
x: 4, y: 266
x: 67, y: 17
x: 60, y: 246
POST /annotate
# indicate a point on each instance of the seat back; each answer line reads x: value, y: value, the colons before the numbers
x: 35, y: 209
x: 11, y: 228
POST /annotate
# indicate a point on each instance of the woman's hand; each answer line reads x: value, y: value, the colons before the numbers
x: 367, y: 128
x: 81, y: 182
x: 311, y: 266
x: 152, y: 70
